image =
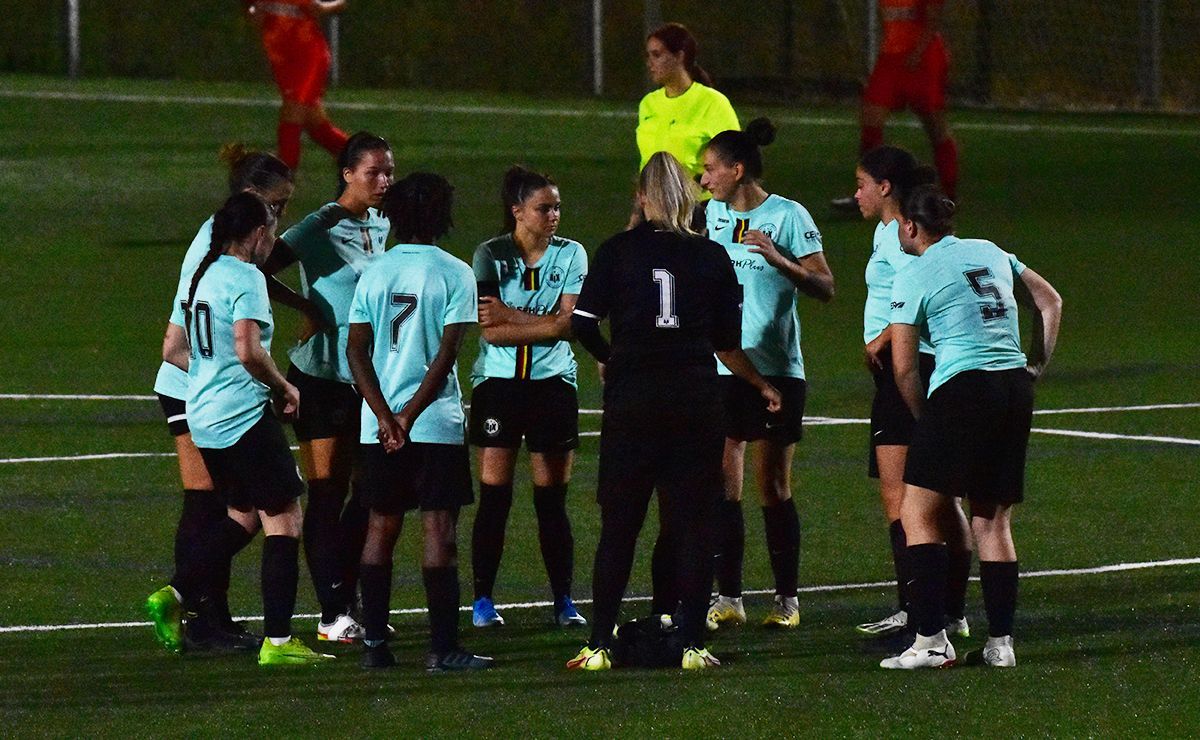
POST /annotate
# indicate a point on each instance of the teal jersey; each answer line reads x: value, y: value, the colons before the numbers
x: 408, y: 297
x: 331, y: 261
x: 223, y: 399
x: 887, y: 258
x: 535, y: 290
x: 770, y: 325
x: 171, y: 381
x: 960, y: 293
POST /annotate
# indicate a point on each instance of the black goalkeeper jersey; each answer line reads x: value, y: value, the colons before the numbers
x: 670, y: 300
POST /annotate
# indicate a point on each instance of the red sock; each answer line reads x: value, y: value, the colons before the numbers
x: 332, y: 138
x: 288, y: 135
x: 945, y: 158
x: 870, y: 138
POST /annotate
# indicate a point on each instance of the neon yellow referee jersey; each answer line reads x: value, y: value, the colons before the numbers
x: 683, y: 125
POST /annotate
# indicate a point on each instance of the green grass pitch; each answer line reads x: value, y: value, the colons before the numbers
x: 106, y: 182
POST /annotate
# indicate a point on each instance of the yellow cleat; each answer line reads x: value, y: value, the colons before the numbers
x: 725, y: 610
x: 697, y: 659
x: 292, y: 652
x: 589, y: 659
x: 785, y: 614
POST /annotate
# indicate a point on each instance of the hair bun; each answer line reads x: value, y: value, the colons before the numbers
x: 761, y: 130
x: 232, y: 153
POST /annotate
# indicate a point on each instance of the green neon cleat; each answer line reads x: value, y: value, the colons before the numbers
x: 166, y: 613
x: 292, y: 652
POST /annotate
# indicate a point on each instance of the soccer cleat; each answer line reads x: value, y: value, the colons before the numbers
x: 591, y: 659
x: 166, y: 613
x: 377, y: 656
x: 997, y: 653
x: 484, y: 614
x: 697, y: 659
x: 342, y: 629
x: 926, y: 652
x: 785, y: 614
x: 958, y: 627
x: 199, y: 635
x: 725, y: 610
x: 565, y: 613
x: 292, y: 652
x: 456, y: 660
x: 889, y: 625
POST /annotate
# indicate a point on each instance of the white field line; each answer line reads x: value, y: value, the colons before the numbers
x: 809, y: 421
x: 832, y: 588
x: 1128, y: 437
x: 536, y: 111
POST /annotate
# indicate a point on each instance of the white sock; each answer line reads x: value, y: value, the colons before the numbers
x: 1005, y: 640
x: 922, y: 642
x: 277, y: 641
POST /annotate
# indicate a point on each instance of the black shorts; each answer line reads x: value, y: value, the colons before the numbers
x: 661, y: 430
x: 175, y: 409
x: 258, y: 471
x: 431, y: 477
x: 972, y: 436
x: 328, y: 408
x: 543, y: 412
x: 892, y: 421
x: 746, y: 415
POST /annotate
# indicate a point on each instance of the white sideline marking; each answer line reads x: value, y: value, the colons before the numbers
x: 1130, y: 437
x: 1113, y: 409
x: 1115, y: 568
x: 812, y: 421
x: 500, y: 110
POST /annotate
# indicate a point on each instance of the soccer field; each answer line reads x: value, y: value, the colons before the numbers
x: 105, y: 184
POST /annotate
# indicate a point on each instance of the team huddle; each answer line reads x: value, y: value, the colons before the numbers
x: 701, y: 363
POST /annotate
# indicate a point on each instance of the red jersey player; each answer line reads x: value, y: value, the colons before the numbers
x: 910, y: 72
x: 300, y: 58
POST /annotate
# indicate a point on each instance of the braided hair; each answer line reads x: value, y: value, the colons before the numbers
x: 240, y: 215
x: 419, y: 207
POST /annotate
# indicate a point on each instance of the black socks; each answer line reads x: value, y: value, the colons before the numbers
x: 730, y: 527
x: 554, y: 536
x: 487, y: 536
x: 280, y: 572
x: 999, y: 581
x: 783, y: 545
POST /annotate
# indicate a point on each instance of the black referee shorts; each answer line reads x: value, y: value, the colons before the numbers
x: 892, y: 421
x: 661, y: 430
x: 972, y: 437
x: 328, y: 408
x: 258, y: 471
x: 746, y: 415
x: 545, y: 413
x: 431, y: 477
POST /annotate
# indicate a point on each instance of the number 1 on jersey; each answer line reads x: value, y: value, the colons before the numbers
x: 666, y: 318
x: 408, y: 306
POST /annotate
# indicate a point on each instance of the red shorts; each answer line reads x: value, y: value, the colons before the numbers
x: 895, y: 87
x: 300, y: 62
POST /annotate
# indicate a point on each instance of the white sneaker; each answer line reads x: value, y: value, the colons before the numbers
x: 889, y: 625
x: 926, y: 652
x: 958, y: 627
x: 342, y: 629
x: 998, y: 652
x: 725, y: 610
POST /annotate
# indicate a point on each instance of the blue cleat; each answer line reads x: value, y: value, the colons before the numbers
x: 483, y: 613
x: 566, y: 615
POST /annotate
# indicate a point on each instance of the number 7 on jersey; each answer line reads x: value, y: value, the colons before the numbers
x: 408, y: 306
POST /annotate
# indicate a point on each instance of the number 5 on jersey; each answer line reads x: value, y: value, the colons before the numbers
x: 408, y: 306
